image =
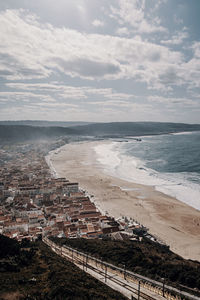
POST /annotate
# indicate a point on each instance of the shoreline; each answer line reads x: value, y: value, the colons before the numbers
x: 119, y: 164
x: 172, y: 221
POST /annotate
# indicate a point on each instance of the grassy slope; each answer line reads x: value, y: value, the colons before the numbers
x: 146, y: 258
x: 55, y: 277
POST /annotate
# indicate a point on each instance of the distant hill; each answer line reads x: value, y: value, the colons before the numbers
x: 24, y: 133
x: 44, y: 123
x: 133, y: 128
x: 116, y: 129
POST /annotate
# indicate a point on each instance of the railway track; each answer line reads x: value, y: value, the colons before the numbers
x: 101, y: 271
x: 134, y: 286
x: 112, y: 278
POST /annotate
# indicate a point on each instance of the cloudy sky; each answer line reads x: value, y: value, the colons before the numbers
x: 100, y: 60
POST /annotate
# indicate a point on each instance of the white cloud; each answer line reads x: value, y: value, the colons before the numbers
x: 24, y: 96
x: 62, y: 91
x: 178, y: 20
x: 176, y: 39
x: 191, y: 69
x: 98, y: 23
x: 132, y: 12
x: 112, y: 73
x: 122, y: 31
x: 196, y: 49
x: 30, y: 49
x: 158, y: 3
x: 125, y: 108
x: 57, y: 105
x: 172, y: 101
x: 44, y: 112
x: 89, y: 56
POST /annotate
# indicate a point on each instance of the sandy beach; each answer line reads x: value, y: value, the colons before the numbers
x: 174, y: 222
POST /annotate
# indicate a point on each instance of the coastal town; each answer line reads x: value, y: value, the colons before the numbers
x: 36, y: 203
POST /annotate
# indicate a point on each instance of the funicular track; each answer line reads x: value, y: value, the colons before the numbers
x: 139, y: 287
x: 106, y: 276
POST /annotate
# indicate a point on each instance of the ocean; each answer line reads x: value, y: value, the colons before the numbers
x: 170, y: 163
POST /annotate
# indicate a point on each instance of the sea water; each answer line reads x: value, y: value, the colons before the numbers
x: 170, y: 163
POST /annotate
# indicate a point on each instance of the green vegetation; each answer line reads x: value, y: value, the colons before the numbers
x: 28, y: 130
x: 33, y: 271
x: 146, y: 258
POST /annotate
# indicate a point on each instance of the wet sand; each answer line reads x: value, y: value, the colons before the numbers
x: 174, y: 222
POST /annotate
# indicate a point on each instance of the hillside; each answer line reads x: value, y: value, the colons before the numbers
x: 44, y: 123
x: 133, y: 128
x: 23, y: 133
x: 16, y: 133
x: 146, y: 258
x: 33, y: 271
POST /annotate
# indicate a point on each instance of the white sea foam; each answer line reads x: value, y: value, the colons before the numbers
x: 184, y: 132
x: 49, y: 163
x: 107, y: 157
x: 116, y: 163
